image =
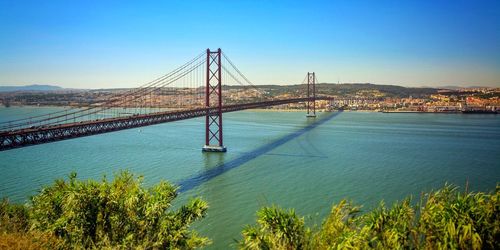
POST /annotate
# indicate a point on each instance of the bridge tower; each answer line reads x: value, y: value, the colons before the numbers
x: 311, y: 94
x: 213, y: 103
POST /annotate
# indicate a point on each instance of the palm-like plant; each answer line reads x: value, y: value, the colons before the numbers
x: 450, y: 219
x: 445, y: 219
x: 278, y: 229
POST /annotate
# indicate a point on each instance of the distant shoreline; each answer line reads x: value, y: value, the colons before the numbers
x: 305, y: 110
x: 276, y: 110
x: 41, y: 106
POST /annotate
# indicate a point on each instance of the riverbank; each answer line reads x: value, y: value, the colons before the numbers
x: 305, y: 110
x: 447, y: 112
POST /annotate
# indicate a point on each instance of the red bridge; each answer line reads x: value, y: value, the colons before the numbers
x: 194, y: 89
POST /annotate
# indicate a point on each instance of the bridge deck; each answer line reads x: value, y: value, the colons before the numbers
x: 39, y: 135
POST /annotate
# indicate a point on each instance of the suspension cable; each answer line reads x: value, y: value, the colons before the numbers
x: 111, y: 100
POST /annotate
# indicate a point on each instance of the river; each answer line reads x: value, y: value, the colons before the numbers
x: 280, y: 158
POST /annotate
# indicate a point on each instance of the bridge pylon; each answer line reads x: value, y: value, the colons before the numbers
x: 311, y: 94
x: 213, y: 103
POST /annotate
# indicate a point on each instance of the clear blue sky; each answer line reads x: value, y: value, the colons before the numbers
x: 93, y: 44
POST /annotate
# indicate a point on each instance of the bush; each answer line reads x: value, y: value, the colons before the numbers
x: 278, y: 229
x: 117, y: 214
x: 444, y: 219
x: 13, y: 217
x: 15, y: 233
x: 30, y: 240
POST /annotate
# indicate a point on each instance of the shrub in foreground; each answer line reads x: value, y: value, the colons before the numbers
x: 14, y: 230
x: 444, y: 219
x: 117, y: 214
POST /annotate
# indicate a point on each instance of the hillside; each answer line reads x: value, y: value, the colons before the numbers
x: 34, y: 87
x: 352, y: 89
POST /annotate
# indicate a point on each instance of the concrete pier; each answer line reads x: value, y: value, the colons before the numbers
x: 213, y: 148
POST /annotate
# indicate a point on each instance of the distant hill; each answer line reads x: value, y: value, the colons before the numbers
x: 34, y: 87
x: 450, y: 87
x: 352, y: 89
x: 461, y: 87
x: 377, y: 90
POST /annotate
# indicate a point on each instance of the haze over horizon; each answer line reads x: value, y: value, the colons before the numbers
x: 92, y: 44
x: 43, y: 87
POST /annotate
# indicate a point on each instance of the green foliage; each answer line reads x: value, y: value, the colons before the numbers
x: 453, y: 220
x: 278, y: 229
x: 339, y: 229
x: 390, y: 228
x: 13, y: 217
x: 444, y: 219
x: 117, y: 214
x: 14, y: 230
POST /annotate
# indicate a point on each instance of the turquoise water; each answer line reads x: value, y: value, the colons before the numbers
x: 278, y: 158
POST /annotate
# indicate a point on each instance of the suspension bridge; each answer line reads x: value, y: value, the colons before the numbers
x: 200, y: 87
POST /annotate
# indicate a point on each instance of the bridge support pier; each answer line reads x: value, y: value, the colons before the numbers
x: 213, y: 99
x: 311, y: 90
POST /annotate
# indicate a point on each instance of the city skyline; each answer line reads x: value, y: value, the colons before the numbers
x: 112, y: 45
